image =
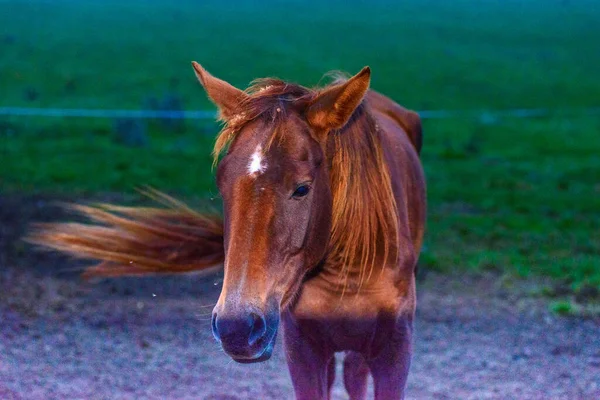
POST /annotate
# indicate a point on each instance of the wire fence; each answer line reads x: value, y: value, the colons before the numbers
x: 105, y: 113
x: 207, y: 115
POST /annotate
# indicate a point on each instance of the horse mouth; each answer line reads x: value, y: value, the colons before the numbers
x: 260, y: 356
x: 264, y: 357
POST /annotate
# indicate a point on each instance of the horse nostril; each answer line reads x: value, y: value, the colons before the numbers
x: 239, y: 333
x: 259, y: 328
x: 214, y: 327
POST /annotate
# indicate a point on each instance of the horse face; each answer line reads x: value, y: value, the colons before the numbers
x: 277, y: 203
x: 277, y: 216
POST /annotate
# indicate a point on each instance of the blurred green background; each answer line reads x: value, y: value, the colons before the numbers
x: 519, y: 196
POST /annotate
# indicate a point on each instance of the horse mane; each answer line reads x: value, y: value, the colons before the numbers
x: 364, y: 230
x: 269, y: 99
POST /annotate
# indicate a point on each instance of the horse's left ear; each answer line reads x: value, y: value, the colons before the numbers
x: 332, y: 108
x: 225, y: 96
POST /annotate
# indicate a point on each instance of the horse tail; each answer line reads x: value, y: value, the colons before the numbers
x: 137, y: 240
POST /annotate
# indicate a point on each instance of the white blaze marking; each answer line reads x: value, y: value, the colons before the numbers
x: 257, y: 165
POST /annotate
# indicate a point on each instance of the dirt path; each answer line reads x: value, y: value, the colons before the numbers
x: 150, y: 338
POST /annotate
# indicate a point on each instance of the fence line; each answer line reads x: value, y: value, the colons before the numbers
x: 105, y: 113
x: 205, y: 114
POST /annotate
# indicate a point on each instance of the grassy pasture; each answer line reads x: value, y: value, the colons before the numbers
x: 516, y: 195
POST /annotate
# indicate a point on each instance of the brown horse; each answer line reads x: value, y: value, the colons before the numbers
x: 324, y: 209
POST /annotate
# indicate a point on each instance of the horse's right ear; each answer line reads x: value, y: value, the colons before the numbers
x: 226, y: 97
x: 334, y: 106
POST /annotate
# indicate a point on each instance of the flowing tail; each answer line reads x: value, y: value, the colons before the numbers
x: 138, y: 240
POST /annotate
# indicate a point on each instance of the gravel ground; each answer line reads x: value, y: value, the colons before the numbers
x: 150, y: 339
x: 61, y: 338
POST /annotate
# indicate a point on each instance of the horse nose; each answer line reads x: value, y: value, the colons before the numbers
x: 237, y: 332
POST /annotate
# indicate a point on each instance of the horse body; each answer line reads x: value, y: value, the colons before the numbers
x: 324, y: 211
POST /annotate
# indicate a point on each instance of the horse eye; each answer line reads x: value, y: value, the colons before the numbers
x: 301, y: 191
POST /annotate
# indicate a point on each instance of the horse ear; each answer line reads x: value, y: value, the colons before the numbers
x: 226, y: 97
x: 332, y: 108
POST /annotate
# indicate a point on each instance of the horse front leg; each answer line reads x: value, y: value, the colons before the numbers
x: 308, y: 362
x: 390, y: 368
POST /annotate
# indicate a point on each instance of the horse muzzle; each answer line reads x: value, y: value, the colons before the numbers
x: 247, y: 336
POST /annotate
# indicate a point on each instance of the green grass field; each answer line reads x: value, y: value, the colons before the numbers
x: 520, y: 196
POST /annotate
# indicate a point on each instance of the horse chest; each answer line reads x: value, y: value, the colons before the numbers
x: 352, y: 322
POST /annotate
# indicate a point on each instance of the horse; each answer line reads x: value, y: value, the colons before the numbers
x: 323, y: 219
